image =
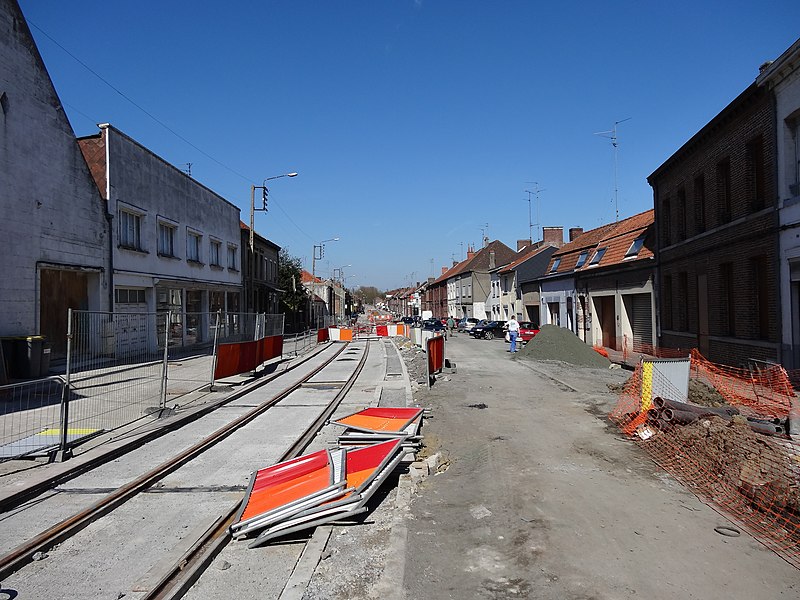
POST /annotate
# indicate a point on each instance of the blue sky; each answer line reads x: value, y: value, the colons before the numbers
x: 413, y: 124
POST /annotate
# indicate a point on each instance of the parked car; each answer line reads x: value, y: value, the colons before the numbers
x: 433, y: 325
x: 488, y: 330
x: 467, y: 323
x: 527, y: 330
x: 407, y: 320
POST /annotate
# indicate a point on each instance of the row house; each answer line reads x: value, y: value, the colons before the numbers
x: 782, y: 78
x: 717, y: 237
x: 321, y: 303
x: 600, y: 285
x: 260, y: 266
x: 53, y: 234
x: 507, y: 284
x: 470, y: 283
x: 176, y: 244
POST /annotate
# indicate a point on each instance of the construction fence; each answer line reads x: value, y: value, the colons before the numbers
x: 726, y: 434
x: 122, y: 367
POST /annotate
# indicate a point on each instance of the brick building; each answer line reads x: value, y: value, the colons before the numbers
x: 717, y: 236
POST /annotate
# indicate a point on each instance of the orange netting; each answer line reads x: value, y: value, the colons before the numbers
x: 726, y: 440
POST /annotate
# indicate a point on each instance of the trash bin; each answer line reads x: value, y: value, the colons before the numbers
x: 29, y: 356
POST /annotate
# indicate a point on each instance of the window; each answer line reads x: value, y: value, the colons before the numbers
x: 666, y: 312
x: 666, y: 221
x: 166, y: 239
x: 582, y: 259
x: 756, y: 172
x: 681, y: 214
x: 700, y: 204
x: 637, y: 244
x: 556, y: 262
x: 683, y: 302
x: 760, y: 295
x: 129, y: 296
x: 726, y: 306
x: 232, y: 257
x: 130, y: 230
x: 795, y: 170
x: 193, y: 241
x: 724, y: 191
x: 598, y: 256
x: 214, y: 252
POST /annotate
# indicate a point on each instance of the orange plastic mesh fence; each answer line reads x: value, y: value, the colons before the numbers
x: 727, y: 444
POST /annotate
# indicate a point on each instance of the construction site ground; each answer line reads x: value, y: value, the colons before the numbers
x: 537, y: 495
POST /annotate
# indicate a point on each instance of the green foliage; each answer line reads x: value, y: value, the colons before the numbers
x: 368, y: 294
x: 294, y: 294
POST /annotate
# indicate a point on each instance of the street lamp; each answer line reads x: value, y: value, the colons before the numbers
x: 264, y: 194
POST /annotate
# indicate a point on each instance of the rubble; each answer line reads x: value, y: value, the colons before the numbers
x: 556, y: 343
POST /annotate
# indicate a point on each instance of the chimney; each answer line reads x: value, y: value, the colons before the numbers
x: 492, y: 263
x: 553, y: 235
x: 522, y: 244
x: 470, y: 252
x: 575, y: 233
x: 446, y: 269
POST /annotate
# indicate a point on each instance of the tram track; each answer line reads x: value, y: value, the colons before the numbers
x: 190, y: 564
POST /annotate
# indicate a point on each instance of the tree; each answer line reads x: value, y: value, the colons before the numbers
x: 294, y: 296
x: 368, y: 293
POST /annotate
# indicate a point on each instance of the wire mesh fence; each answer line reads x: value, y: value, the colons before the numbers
x: 725, y: 438
x: 121, y: 367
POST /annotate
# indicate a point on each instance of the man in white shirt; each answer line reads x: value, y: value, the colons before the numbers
x: 513, y: 332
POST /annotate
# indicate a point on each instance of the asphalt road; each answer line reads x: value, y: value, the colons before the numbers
x: 543, y: 498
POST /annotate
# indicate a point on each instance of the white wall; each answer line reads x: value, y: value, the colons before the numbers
x: 51, y: 209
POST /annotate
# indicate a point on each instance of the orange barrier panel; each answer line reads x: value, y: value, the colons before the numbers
x: 729, y: 447
x: 346, y: 335
x: 241, y: 357
x: 435, y: 351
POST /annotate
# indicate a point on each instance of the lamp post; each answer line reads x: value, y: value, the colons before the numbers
x: 314, y: 259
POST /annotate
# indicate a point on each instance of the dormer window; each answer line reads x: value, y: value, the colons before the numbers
x: 582, y: 259
x: 598, y: 256
x: 556, y: 262
x: 637, y: 244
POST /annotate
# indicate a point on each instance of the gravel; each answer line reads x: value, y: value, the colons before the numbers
x: 556, y: 343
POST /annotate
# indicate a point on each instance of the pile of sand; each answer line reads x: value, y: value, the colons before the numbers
x: 556, y: 343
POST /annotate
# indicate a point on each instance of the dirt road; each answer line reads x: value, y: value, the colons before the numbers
x: 543, y: 498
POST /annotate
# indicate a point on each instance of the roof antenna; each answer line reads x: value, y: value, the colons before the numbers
x: 613, y: 138
x: 188, y: 169
x: 538, y: 204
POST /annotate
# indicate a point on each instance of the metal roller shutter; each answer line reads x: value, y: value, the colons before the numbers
x: 642, y: 322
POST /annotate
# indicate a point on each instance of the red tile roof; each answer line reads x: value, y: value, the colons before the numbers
x: 616, y: 238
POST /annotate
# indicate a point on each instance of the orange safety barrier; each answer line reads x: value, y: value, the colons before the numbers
x: 434, y: 348
x: 241, y: 357
x: 726, y: 442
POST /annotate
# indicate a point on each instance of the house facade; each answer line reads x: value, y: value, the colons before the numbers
x: 782, y: 77
x: 530, y: 264
x: 176, y: 244
x: 54, y: 231
x: 717, y: 236
x: 470, y: 284
x: 259, y: 273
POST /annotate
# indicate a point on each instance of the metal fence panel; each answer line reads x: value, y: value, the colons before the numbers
x: 29, y: 417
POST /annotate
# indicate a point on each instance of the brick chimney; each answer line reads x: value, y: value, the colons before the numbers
x: 522, y: 244
x: 470, y: 252
x: 446, y: 269
x: 553, y: 235
x: 574, y: 233
x: 492, y: 260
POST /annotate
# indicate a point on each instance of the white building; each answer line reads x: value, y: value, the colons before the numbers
x: 783, y: 77
x: 176, y: 243
x: 53, y: 229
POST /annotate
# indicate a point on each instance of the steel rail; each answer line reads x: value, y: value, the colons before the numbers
x: 23, y: 554
x: 190, y: 567
x: 13, y: 500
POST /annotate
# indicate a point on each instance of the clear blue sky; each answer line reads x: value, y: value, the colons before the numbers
x: 413, y: 124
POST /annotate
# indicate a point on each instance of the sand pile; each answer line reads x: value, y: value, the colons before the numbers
x: 556, y: 343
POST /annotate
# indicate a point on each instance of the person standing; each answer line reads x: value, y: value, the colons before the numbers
x: 513, y: 332
x: 451, y: 322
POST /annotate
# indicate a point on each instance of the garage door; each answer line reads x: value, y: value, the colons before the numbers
x: 642, y: 323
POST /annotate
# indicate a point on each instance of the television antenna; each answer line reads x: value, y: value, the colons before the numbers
x: 536, y: 191
x: 484, y: 237
x: 613, y: 138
